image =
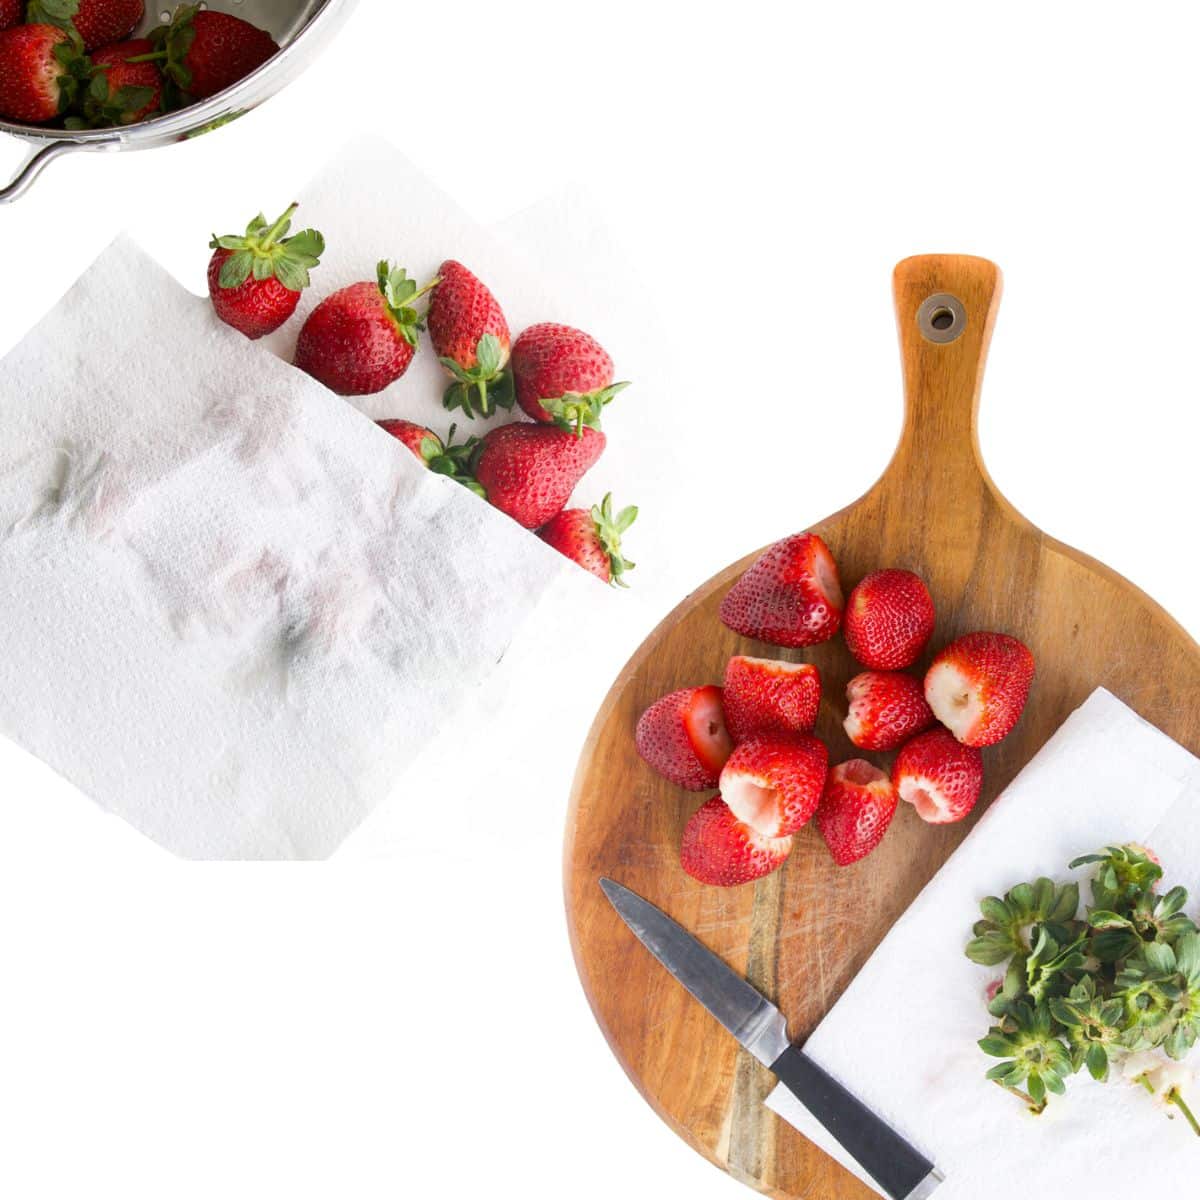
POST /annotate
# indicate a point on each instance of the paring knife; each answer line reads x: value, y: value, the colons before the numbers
x: 902, y: 1172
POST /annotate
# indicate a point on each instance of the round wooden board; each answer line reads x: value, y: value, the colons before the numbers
x: 801, y: 934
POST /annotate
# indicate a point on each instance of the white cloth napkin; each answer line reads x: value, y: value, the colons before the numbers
x: 231, y: 608
x: 903, y: 1036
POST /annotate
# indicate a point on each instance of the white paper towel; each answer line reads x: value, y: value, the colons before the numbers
x: 231, y: 608
x: 903, y: 1036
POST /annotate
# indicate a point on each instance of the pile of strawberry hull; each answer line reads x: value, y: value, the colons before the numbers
x: 74, y: 64
x: 752, y: 738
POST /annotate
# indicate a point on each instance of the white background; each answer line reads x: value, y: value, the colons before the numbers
x: 406, y: 1019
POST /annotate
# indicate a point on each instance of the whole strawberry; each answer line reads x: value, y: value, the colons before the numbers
x: 592, y: 538
x: 98, y: 22
x: 362, y: 338
x: 529, y: 471
x: 255, y: 279
x: 121, y: 91
x: 470, y: 337
x: 938, y: 776
x: 886, y: 709
x: 204, y: 52
x: 889, y: 619
x: 720, y: 850
x: 770, y: 696
x: 683, y: 737
x: 11, y: 13
x: 789, y: 596
x: 856, y: 810
x: 562, y: 375
x: 977, y: 686
x: 42, y: 69
x: 774, y: 784
x: 443, y: 458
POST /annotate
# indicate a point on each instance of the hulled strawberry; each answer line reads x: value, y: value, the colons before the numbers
x: 719, y: 849
x: 856, y: 809
x: 470, y: 337
x: 683, y: 737
x: 938, y: 776
x: 98, y: 22
x: 205, y: 52
x: 362, y: 338
x: 977, y: 686
x: 774, y: 784
x: 790, y: 596
x: 255, y: 279
x: 889, y: 619
x: 886, y: 709
x: 42, y: 69
x: 529, y: 471
x: 121, y: 91
x: 770, y: 696
x: 592, y: 538
x: 11, y: 13
x: 562, y: 375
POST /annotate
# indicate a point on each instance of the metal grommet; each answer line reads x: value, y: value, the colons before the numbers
x: 941, y: 318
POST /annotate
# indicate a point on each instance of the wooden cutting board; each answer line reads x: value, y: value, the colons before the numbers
x: 801, y: 934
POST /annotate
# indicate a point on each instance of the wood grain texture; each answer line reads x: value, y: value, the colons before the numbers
x: 801, y: 934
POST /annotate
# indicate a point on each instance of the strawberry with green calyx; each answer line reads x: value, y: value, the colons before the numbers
x: 592, y: 538
x: 442, y: 458
x: 98, y: 22
x: 255, y: 279
x: 562, y: 376
x: 362, y: 338
x: 42, y: 70
x: 121, y: 92
x: 204, y: 52
x: 471, y: 339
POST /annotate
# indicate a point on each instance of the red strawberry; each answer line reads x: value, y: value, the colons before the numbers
x: 978, y: 685
x: 470, y: 337
x: 361, y: 339
x: 255, y: 280
x: 41, y: 69
x: 11, y: 13
x: 856, y: 810
x: 889, y: 619
x: 938, y: 776
x: 592, y: 538
x: 122, y: 92
x: 443, y: 458
x: 886, y: 709
x: 562, y: 375
x: 774, y: 784
x: 790, y: 596
x: 769, y: 696
x: 719, y: 849
x: 98, y: 22
x: 683, y: 737
x: 206, y: 52
x: 529, y: 471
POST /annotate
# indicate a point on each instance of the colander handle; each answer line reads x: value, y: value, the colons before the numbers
x: 33, y: 166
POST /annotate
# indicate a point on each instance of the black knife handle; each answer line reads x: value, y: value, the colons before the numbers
x: 875, y: 1146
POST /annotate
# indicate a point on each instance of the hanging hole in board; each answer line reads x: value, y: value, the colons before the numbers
x: 941, y: 318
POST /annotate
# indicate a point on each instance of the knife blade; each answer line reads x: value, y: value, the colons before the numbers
x: 897, y: 1167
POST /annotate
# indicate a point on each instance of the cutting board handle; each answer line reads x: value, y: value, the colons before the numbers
x: 945, y: 308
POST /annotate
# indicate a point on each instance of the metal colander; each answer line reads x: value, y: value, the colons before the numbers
x: 299, y: 26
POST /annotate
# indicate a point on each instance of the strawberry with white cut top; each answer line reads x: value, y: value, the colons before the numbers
x: 938, y: 776
x: 856, y: 810
x: 684, y: 738
x: 722, y: 851
x: 774, y: 784
x: 977, y: 686
x: 770, y: 696
x: 886, y: 709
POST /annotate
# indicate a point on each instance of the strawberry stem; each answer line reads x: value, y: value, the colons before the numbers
x: 1175, y: 1097
x: 156, y: 56
x: 272, y: 233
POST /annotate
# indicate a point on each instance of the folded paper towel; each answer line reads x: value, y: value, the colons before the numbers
x: 903, y: 1036
x: 231, y: 608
